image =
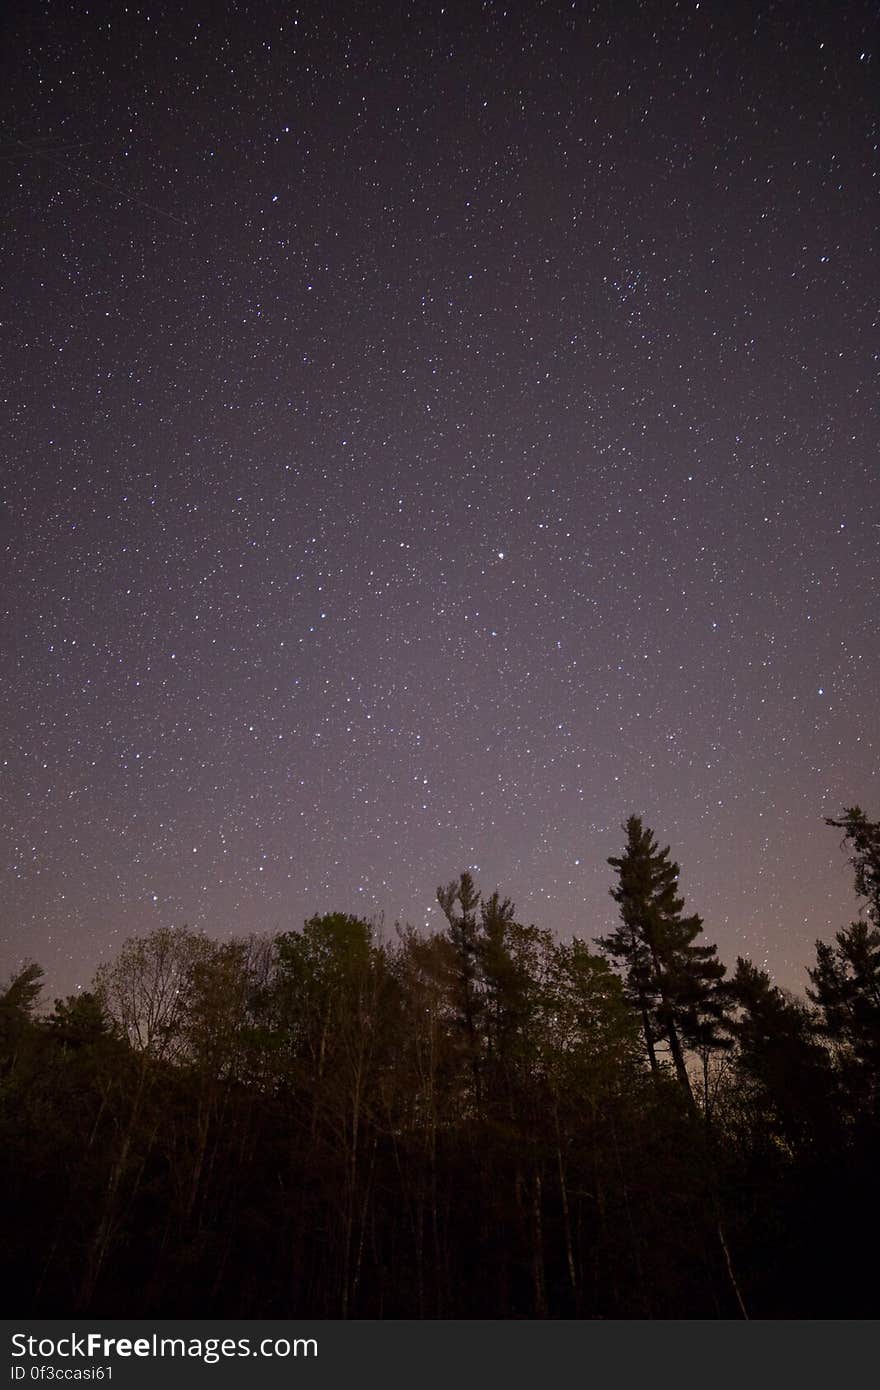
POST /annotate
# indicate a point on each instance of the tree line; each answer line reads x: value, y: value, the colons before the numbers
x: 481, y: 1122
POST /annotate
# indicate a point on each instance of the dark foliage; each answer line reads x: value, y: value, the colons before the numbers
x: 484, y: 1122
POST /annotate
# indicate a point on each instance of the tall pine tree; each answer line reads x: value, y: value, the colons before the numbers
x: 671, y: 981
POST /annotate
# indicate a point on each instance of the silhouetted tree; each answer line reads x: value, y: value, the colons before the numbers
x: 863, y: 839
x: 778, y: 1050
x: 335, y: 987
x: 672, y: 982
x: 17, y: 1006
x: 459, y: 902
x: 846, y: 977
x: 146, y: 987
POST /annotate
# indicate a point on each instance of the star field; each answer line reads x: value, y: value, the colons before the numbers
x: 434, y: 433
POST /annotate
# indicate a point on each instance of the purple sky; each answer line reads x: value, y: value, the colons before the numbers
x: 433, y: 433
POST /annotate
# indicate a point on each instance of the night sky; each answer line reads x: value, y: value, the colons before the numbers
x: 431, y: 434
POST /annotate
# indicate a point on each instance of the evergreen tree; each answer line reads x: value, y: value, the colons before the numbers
x: 846, y: 987
x: 513, y: 961
x: 863, y: 838
x: 18, y: 1002
x: 778, y: 1051
x: 846, y: 978
x: 672, y: 982
x: 459, y: 902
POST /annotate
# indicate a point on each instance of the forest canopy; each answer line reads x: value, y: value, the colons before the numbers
x: 481, y: 1122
